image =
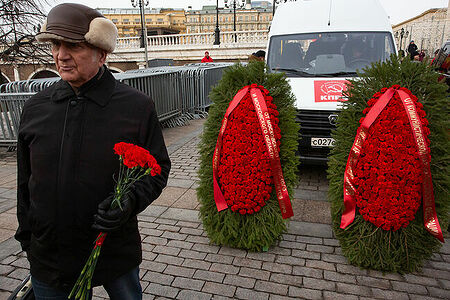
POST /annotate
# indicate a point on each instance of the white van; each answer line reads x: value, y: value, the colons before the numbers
x: 319, y: 44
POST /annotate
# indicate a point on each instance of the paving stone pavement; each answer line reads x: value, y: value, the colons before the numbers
x: 180, y: 263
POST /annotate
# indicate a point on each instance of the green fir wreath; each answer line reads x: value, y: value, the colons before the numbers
x: 262, y: 229
x: 363, y: 243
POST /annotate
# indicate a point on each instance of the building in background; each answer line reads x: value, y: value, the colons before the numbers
x: 254, y: 16
x: 262, y: 4
x: 428, y: 30
x: 157, y: 20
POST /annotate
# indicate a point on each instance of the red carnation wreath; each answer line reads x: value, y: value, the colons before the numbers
x: 388, y: 170
x: 244, y: 167
x: 390, y: 160
x: 246, y: 161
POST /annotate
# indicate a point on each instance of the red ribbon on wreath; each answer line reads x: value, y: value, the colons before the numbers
x: 271, y: 146
x: 430, y: 218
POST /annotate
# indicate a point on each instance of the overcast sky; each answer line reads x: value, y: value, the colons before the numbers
x: 398, y: 10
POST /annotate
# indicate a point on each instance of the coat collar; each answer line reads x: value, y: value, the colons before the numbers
x: 99, y: 89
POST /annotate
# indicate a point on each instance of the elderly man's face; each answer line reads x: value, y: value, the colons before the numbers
x: 77, y: 63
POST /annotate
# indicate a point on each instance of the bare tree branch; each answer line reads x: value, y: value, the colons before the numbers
x: 21, y: 20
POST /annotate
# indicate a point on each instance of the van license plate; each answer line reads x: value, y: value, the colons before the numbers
x: 322, y: 142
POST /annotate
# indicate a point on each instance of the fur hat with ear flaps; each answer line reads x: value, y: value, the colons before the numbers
x: 77, y: 23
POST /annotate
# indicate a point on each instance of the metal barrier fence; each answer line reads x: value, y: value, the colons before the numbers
x: 27, y: 86
x: 180, y: 93
x: 10, y: 111
x: 162, y: 87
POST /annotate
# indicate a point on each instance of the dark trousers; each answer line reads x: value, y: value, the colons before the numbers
x: 126, y: 287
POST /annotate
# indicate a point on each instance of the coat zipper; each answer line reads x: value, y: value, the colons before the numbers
x: 58, y: 178
x: 62, y: 144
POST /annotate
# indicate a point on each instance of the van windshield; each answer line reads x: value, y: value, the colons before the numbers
x: 328, y: 54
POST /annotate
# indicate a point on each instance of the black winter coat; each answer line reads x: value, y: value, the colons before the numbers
x: 412, y: 50
x: 66, y: 164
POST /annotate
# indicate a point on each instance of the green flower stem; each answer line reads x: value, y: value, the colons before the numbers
x: 124, y: 183
x: 83, y: 284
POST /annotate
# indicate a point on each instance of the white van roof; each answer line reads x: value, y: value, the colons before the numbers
x: 329, y: 16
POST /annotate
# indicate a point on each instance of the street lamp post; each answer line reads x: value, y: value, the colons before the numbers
x: 142, y: 4
x: 217, y: 31
x: 234, y: 3
x: 402, y: 34
x: 406, y: 35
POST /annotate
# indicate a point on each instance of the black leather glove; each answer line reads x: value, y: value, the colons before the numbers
x: 110, y: 219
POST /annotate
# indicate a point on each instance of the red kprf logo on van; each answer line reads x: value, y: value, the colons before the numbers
x: 329, y: 91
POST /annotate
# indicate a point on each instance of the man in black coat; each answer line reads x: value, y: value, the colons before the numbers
x: 66, y: 162
x: 412, y: 50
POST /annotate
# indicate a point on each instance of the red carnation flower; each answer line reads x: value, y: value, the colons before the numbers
x: 121, y: 148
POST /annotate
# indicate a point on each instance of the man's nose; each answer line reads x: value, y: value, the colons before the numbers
x: 63, y: 53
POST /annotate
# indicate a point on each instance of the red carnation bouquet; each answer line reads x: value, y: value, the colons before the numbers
x: 135, y: 163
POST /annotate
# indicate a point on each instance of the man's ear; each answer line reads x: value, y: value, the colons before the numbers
x: 103, y: 55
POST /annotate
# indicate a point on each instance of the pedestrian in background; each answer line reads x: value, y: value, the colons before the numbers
x: 421, y: 55
x: 66, y: 162
x: 412, y: 50
x: 207, y: 58
x: 258, y: 55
